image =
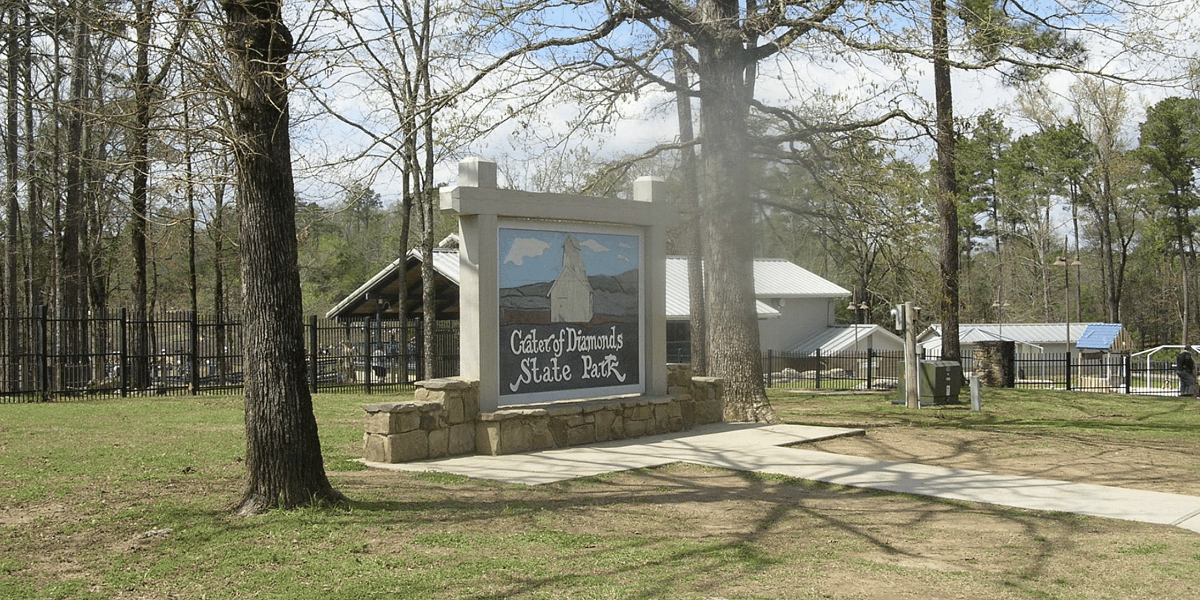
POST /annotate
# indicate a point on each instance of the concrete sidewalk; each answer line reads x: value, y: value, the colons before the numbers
x: 762, y: 448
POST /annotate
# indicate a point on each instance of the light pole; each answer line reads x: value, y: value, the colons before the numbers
x: 858, y: 309
x: 1000, y: 305
x: 1066, y: 264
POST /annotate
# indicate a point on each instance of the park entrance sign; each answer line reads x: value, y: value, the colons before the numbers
x: 570, y: 311
x: 562, y: 329
x: 562, y: 297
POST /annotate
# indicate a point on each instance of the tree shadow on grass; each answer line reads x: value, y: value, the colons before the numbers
x: 685, y: 529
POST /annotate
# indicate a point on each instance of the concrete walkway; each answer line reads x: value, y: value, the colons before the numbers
x: 762, y: 448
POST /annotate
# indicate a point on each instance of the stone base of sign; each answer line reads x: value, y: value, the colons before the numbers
x: 444, y: 420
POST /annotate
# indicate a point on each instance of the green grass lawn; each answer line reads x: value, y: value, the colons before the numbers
x: 131, y: 498
x: 1013, y: 410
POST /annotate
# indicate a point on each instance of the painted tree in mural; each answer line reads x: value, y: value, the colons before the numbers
x: 283, y: 451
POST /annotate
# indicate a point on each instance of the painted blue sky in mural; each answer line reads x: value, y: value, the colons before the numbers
x: 534, y: 256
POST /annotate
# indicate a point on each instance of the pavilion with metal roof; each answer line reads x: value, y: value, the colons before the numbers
x: 378, y: 297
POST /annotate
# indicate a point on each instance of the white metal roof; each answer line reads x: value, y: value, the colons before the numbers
x: 445, y: 261
x: 779, y: 278
x: 841, y: 338
x: 773, y: 278
x: 679, y: 307
x: 1029, y: 333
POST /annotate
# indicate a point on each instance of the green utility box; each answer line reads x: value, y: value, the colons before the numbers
x: 941, y: 381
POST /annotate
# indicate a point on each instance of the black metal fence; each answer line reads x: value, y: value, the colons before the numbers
x: 60, y: 357
x: 863, y: 370
x: 57, y: 357
x: 879, y: 370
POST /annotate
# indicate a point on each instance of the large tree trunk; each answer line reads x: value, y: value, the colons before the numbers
x: 283, y: 451
x: 12, y: 252
x: 698, y: 324
x: 35, y: 261
x: 139, y: 199
x: 728, y: 220
x: 71, y: 280
x: 947, y: 185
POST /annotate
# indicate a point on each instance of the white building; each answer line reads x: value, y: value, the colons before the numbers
x: 796, y: 308
x: 571, y: 294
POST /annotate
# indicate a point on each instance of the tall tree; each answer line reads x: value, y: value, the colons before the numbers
x: 12, y: 246
x: 727, y: 55
x: 983, y: 211
x: 146, y: 88
x: 399, y: 47
x: 283, y: 450
x: 852, y: 211
x: 1101, y: 109
x: 72, y: 231
x: 947, y: 183
x: 690, y: 201
x: 1170, y: 146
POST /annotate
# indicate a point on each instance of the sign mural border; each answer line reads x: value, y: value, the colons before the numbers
x: 571, y: 310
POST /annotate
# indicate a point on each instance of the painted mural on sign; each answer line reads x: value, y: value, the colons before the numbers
x: 570, y: 313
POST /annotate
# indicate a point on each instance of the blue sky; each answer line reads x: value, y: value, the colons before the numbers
x: 535, y: 256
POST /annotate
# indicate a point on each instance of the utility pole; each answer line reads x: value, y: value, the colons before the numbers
x: 906, y: 322
x: 912, y: 374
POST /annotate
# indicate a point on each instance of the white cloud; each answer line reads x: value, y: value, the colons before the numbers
x: 523, y: 248
x: 593, y: 245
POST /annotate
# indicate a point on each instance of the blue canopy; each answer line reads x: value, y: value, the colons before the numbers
x: 1101, y: 336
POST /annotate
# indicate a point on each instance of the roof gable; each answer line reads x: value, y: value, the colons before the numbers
x: 370, y: 297
x: 779, y: 278
x: 842, y: 338
x: 1105, y: 336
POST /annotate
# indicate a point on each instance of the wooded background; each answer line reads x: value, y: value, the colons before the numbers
x: 118, y: 179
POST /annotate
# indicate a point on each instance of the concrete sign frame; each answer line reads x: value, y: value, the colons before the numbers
x: 577, y: 231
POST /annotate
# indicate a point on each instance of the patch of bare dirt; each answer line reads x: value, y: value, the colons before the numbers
x: 1160, y: 467
x: 13, y: 516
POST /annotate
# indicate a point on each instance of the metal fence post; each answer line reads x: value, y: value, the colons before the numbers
x: 367, y: 355
x: 1127, y: 361
x: 193, y: 353
x: 43, y: 361
x: 819, y: 365
x: 870, y: 368
x: 1068, y: 361
x: 123, y: 351
x: 770, y: 366
x: 312, y: 352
